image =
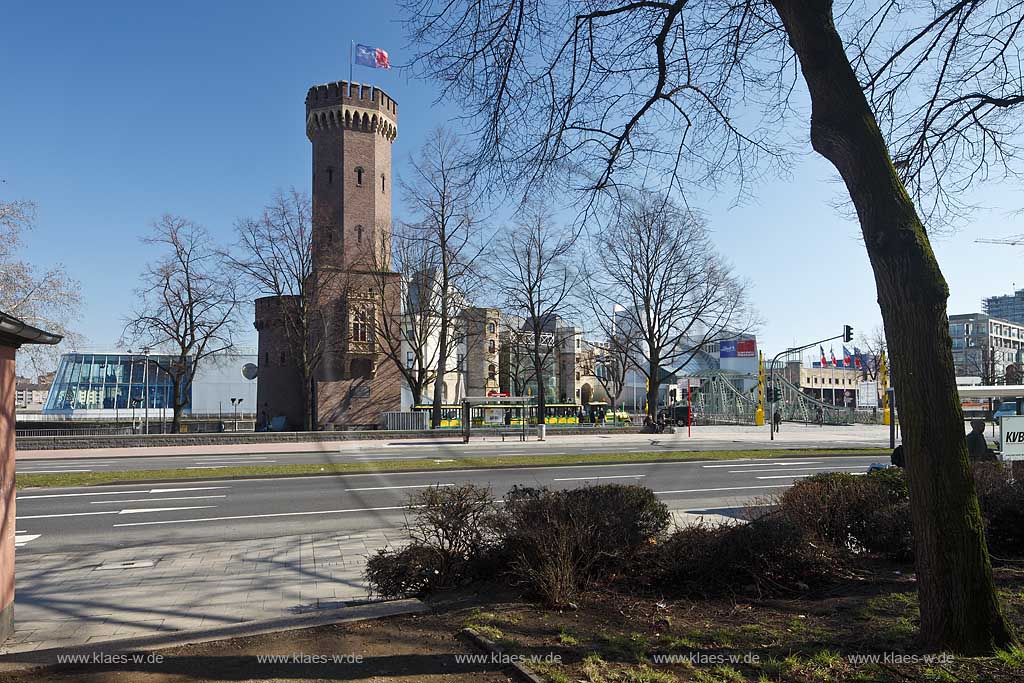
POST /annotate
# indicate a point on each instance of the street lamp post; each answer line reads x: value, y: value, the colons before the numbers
x: 235, y: 403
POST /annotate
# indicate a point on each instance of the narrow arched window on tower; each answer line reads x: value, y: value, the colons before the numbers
x: 382, y: 183
x: 330, y: 175
x: 359, y: 234
x: 359, y: 175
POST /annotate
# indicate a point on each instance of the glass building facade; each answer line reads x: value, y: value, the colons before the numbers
x: 111, y: 382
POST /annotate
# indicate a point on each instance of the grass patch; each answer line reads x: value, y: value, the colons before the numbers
x: 66, y: 479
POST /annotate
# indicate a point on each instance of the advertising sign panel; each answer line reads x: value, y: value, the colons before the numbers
x: 746, y: 348
x: 727, y: 349
x: 1011, y: 437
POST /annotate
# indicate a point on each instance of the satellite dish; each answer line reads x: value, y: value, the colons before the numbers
x: 249, y: 371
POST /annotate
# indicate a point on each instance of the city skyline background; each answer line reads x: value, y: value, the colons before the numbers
x: 116, y: 114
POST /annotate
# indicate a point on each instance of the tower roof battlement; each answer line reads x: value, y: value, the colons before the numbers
x: 351, y: 105
x: 354, y: 94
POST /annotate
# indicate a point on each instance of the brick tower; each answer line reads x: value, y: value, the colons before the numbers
x: 351, y: 128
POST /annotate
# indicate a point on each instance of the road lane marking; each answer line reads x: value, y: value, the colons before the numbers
x: 122, y: 493
x: 136, y: 511
x: 114, y: 512
x: 150, y: 500
x: 765, y: 464
x: 610, y: 476
x: 798, y: 469
x: 727, y: 488
x: 21, y: 538
x: 415, y: 486
x: 48, y: 471
x: 786, y: 476
x: 263, y: 516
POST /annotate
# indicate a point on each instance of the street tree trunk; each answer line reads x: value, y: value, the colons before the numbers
x: 959, y: 607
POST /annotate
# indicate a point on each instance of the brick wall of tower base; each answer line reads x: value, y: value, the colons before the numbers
x: 279, y: 388
x: 348, y: 403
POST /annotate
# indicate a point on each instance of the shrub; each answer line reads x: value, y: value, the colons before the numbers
x: 559, y: 541
x: 401, y: 573
x: 853, y: 513
x: 451, y: 531
x: 770, y: 553
x: 1002, y: 507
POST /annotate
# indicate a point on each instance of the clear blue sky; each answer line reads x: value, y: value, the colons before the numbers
x: 113, y: 113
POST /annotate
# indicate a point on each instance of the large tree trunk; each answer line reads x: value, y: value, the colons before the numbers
x: 959, y: 607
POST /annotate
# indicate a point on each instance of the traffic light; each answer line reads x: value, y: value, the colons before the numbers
x: 847, y: 333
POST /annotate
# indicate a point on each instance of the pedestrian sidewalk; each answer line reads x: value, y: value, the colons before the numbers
x: 792, y: 435
x: 68, y: 600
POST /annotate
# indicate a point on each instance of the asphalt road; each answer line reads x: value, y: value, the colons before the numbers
x: 70, y: 520
x: 442, y: 449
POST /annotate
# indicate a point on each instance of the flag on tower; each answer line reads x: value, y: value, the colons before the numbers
x: 373, y: 57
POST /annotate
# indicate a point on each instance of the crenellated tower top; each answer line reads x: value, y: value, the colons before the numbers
x: 354, y: 106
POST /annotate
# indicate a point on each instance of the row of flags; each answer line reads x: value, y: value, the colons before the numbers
x: 855, y: 360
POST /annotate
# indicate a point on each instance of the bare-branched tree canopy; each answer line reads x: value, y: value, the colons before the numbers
x: 908, y: 100
x: 187, y: 306
x: 50, y: 299
x: 535, y: 278
x: 408, y: 332
x: 273, y: 254
x: 659, y: 288
x: 444, y: 200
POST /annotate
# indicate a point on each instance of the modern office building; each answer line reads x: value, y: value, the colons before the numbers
x: 1009, y: 307
x: 116, y: 385
x: 986, y: 347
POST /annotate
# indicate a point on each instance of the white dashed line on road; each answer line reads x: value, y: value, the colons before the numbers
x: 388, y: 488
x: 611, y: 476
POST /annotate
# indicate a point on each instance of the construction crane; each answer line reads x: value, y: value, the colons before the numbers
x: 1013, y: 240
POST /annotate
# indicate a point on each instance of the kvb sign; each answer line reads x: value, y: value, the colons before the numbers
x: 1011, y: 437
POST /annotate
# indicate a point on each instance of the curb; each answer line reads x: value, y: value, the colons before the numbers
x: 16, y: 661
x: 523, y: 672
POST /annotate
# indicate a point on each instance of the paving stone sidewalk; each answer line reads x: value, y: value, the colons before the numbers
x: 66, y: 600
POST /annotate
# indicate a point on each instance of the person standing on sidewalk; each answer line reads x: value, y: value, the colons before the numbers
x: 777, y: 420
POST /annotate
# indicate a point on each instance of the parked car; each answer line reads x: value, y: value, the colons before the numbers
x: 677, y: 415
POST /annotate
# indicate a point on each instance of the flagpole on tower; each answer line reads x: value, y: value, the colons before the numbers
x: 351, y: 49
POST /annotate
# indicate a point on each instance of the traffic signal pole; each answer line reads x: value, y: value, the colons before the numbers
x: 846, y: 336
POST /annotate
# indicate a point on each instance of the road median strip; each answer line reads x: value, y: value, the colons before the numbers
x: 67, y: 479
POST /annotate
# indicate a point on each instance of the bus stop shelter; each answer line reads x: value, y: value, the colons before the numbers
x: 522, y: 402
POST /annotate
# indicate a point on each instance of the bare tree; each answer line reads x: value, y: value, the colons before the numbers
x: 609, y: 361
x: 873, y: 345
x: 408, y: 331
x: 670, y: 91
x: 535, y: 279
x: 187, y: 306
x: 273, y: 254
x: 676, y: 293
x: 444, y: 199
x: 50, y: 299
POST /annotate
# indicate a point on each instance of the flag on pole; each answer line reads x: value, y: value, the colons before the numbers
x: 858, y: 361
x: 823, y: 361
x: 373, y: 57
x: 847, y: 358
x: 832, y: 351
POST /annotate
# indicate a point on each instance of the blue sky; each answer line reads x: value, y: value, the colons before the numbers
x: 113, y: 113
